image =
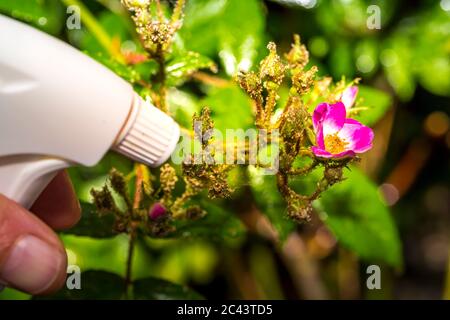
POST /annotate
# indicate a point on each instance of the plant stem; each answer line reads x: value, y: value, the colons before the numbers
x: 132, y: 227
x: 129, y: 267
x: 161, y: 79
x: 138, y: 186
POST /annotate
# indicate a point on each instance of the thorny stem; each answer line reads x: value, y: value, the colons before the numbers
x: 132, y: 227
x: 160, y: 78
x: 139, y: 180
x: 270, y: 105
x: 129, y: 269
x: 304, y: 170
x: 160, y: 11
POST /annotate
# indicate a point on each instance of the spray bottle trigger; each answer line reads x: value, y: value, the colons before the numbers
x: 24, y: 177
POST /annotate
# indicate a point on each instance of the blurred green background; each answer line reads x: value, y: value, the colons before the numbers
x: 395, y: 215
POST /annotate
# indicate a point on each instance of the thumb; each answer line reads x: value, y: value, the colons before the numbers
x: 32, y: 258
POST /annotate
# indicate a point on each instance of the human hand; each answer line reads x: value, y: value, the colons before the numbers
x: 32, y: 258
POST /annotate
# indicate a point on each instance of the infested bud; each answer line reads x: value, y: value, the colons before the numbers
x: 294, y: 122
x: 303, y: 81
x: 298, y: 56
x: 251, y: 83
x: 203, y: 126
x: 118, y: 182
x: 333, y: 174
x: 271, y: 67
x: 103, y: 200
x: 168, y: 179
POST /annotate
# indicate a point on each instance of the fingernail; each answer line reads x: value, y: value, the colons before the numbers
x: 32, y: 265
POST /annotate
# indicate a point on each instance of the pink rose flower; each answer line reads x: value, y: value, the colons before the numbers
x: 338, y: 136
x: 348, y: 97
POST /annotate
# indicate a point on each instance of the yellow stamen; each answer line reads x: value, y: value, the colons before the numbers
x: 334, y: 144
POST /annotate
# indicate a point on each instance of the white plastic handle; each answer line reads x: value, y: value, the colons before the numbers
x: 23, y: 178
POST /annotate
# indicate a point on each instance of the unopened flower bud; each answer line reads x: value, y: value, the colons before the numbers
x: 157, y: 211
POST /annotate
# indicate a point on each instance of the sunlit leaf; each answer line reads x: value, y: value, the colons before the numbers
x: 375, y: 103
x: 47, y: 15
x: 396, y: 59
x: 182, y: 106
x: 341, y: 61
x: 230, y: 108
x: 224, y: 31
x: 356, y: 214
x: 181, y: 67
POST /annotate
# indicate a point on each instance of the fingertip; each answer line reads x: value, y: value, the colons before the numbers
x: 32, y: 257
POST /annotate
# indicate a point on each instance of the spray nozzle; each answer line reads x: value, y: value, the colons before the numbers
x: 149, y: 135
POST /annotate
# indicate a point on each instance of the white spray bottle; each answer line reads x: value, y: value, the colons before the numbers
x: 58, y: 108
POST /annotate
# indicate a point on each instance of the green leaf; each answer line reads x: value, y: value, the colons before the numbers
x: 377, y: 103
x: 182, y: 105
x: 218, y: 224
x: 341, y: 60
x: 356, y: 214
x: 114, y: 25
x: 86, y: 178
x: 13, y: 294
x: 47, y: 15
x: 431, y: 54
x: 270, y: 202
x: 349, y: 18
x: 230, y: 108
x: 159, y: 289
x: 180, y: 68
x: 95, y: 285
x: 366, y: 56
x: 93, y: 224
x: 128, y: 73
x: 232, y: 29
x: 133, y: 74
x: 397, y: 60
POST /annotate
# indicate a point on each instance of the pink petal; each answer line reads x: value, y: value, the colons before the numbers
x: 349, y: 96
x: 319, y: 115
x: 344, y: 154
x: 320, y: 138
x: 321, y: 153
x: 358, y: 137
x: 334, y: 119
x: 329, y: 117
